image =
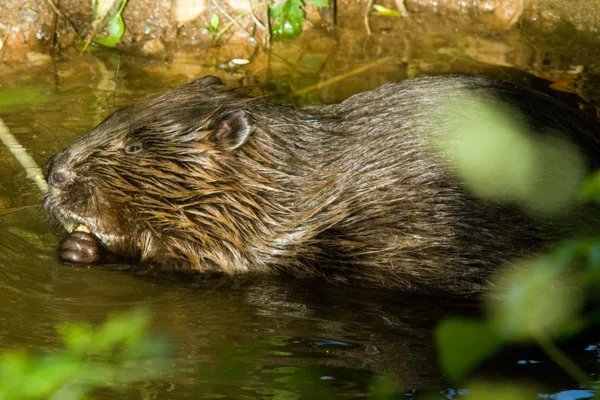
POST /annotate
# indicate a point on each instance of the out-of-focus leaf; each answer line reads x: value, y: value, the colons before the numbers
x: 385, y: 12
x: 118, y: 352
x: 492, y: 150
x: 590, y: 189
x: 122, y: 329
x: 384, y: 388
x: 48, y: 375
x: 318, y: 3
x: 77, y: 337
x: 463, y: 344
x: 504, y: 391
x: 535, y: 296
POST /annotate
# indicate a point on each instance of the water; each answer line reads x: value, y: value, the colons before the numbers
x: 258, y: 338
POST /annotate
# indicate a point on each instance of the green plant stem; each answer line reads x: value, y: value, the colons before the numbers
x: 560, y: 358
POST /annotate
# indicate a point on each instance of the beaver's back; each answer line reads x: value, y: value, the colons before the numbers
x: 409, y: 217
x: 204, y: 179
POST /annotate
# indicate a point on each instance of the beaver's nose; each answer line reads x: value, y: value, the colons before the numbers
x: 55, y: 175
x: 58, y: 178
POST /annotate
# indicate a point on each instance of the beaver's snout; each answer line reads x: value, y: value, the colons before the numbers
x: 55, y: 173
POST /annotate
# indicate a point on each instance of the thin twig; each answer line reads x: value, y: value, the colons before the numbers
x: 402, y: 8
x: 3, y: 41
x: 34, y: 172
x: 338, y: 78
x: 62, y: 15
x: 92, y: 35
x: 367, y: 26
x: 233, y: 20
x: 237, y: 18
x: 255, y: 18
x: 229, y: 25
x: 116, y: 83
x: 268, y: 31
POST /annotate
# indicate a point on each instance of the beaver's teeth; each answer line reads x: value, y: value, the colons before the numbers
x: 82, y: 228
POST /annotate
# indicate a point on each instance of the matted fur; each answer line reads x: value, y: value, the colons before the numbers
x: 350, y: 191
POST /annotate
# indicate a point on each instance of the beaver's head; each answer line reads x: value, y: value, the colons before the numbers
x: 154, y: 177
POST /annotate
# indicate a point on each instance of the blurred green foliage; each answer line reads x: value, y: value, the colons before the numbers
x: 120, y: 352
x: 500, y: 391
x: 499, y: 159
x: 540, y: 299
x: 117, y: 352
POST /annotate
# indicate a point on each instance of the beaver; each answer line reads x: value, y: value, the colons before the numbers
x: 205, y: 179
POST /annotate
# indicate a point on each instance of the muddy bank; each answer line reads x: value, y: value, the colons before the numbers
x: 157, y: 29
x: 556, y: 40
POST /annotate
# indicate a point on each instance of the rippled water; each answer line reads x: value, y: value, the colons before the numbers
x: 337, y: 338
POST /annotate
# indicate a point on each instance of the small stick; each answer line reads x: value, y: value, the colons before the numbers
x: 369, y: 6
x: 233, y: 20
x: 34, y: 172
x: 402, y: 8
x: 62, y: 15
x: 255, y: 18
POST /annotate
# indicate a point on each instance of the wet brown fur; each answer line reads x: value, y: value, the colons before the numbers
x: 350, y: 191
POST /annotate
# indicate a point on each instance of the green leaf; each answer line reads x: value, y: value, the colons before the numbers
x: 385, y: 387
x: 385, y: 12
x: 77, y: 337
x: 121, y: 329
x: 116, y: 353
x: 318, y: 3
x: 590, y: 188
x: 115, y: 27
x: 500, y: 391
x: 214, y: 22
x: 463, y: 344
x: 533, y: 296
x: 49, y: 375
x: 509, y: 164
x: 287, y: 19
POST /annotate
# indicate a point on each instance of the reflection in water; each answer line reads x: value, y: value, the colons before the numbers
x: 255, y: 337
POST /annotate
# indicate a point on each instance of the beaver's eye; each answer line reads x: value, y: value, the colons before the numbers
x: 134, y: 148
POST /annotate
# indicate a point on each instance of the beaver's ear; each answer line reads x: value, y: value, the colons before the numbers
x: 230, y: 129
x: 208, y: 80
